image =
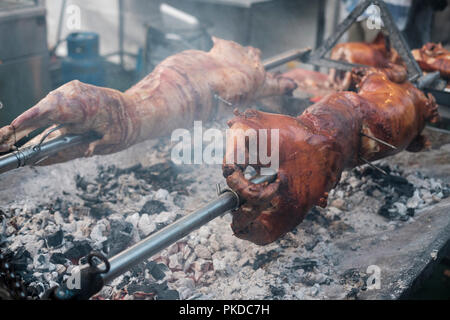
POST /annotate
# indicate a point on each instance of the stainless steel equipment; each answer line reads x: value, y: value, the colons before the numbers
x: 24, y: 58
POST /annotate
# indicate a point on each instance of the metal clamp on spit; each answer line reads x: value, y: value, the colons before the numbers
x: 34, y: 154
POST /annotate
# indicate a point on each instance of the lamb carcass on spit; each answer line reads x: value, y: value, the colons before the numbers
x: 317, y: 146
x: 180, y: 90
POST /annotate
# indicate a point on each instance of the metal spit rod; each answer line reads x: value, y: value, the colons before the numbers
x: 32, y: 155
x: 174, y: 232
x: 291, y: 55
x: 94, y: 277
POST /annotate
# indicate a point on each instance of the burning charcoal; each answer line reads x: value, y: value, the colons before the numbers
x: 100, y: 210
x: 262, y: 259
x: 162, y: 176
x: 277, y: 291
x: 353, y: 294
x: 179, y: 200
x: 355, y: 278
x: 311, y: 245
x: 41, y: 259
x: 55, y: 239
x: 90, y: 198
x: 120, y: 236
x: 125, y: 281
x: 404, y: 218
x: 446, y: 193
x: 2, y: 215
x: 79, y: 250
x: 156, y: 270
x: 21, y: 259
x: 169, y: 295
x: 58, y: 258
x: 69, y: 238
x: 62, y: 207
x: 306, y: 264
x: 385, y: 212
x: 316, y: 216
x: 153, y: 207
x: 160, y: 290
x: 35, y: 289
x: 81, y: 183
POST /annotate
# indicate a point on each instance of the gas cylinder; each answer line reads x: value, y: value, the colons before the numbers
x: 83, y: 61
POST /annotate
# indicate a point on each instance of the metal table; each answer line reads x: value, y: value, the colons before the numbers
x: 24, y: 60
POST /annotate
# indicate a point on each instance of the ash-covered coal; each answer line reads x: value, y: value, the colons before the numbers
x: 114, y: 208
x: 402, y: 196
x: 45, y: 242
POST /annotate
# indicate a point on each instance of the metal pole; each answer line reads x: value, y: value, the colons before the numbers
x: 121, y: 33
x: 34, y: 154
x: 174, y: 232
x: 320, y: 30
x: 295, y: 54
x: 60, y: 22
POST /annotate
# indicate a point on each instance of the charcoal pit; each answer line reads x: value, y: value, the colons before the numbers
x: 51, y: 217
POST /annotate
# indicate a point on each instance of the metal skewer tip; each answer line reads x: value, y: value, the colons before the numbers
x: 228, y: 103
x: 379, y: 141
x: 373, y: 166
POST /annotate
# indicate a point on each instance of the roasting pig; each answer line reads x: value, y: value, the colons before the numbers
x: 315, y: 148
x: 375, y: 54
x: 433, y: 57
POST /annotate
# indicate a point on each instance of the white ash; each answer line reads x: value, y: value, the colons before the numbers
x: 109, y: 208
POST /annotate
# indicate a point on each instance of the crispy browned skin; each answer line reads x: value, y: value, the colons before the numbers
x: 318, y: 145
x: 373, y: 54
x: 433, y: 57
x: 180, y: 90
